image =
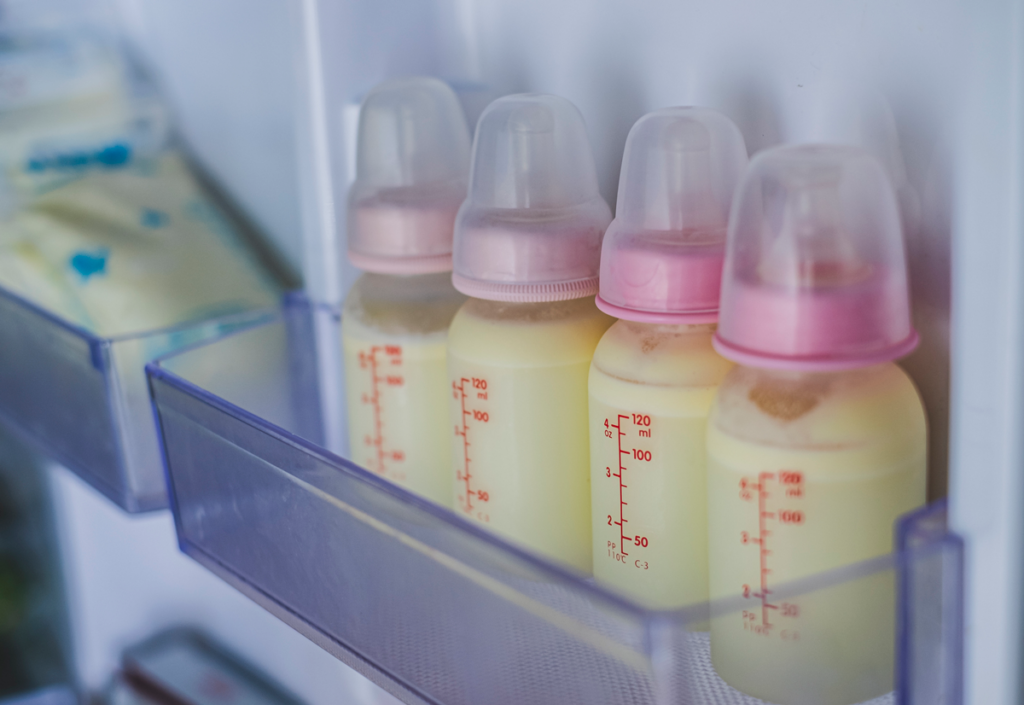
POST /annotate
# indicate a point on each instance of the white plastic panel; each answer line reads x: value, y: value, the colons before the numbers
x: 228, y: 69
x: 988, y: 345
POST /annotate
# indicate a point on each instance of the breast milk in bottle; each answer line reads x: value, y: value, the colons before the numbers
x: 816, y: 442
x: 527, y: 250
x: 655, y: 373
x: 412, y: 161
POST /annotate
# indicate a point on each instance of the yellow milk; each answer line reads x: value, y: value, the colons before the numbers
x: 808, y: 472
x: 394, y: 332
x: 651, y: 388
x: 518, y: 389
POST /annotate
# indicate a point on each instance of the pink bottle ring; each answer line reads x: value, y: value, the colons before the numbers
x: 662, y: 256
x: 815, y: 275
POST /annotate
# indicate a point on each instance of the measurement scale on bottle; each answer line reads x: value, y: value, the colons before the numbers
x: 785, y: 486
x: 384, y: 364
x: 627, y: 457
x: 469, y: 392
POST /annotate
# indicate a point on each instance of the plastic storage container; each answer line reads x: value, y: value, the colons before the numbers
x: 122, y: 251
x: 83, y: 400
x: 437, y: 609
x: 182, y: 666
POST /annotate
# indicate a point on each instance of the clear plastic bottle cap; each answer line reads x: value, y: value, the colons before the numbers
x: 412, y: 160
x: 662, y: 256
x: 531, y: 226
x: 815, y: 270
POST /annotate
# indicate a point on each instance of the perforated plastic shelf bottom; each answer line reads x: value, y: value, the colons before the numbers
x: 709, y: 688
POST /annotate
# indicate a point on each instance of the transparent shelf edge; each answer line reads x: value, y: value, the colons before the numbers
x: 82, y: 399
x: 437, y: 610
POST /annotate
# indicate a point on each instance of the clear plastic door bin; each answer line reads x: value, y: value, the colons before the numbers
x: 438, y: 610
x: 83, y: 400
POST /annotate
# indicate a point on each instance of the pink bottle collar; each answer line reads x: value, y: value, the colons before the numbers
x: 401, y: 265
x: 653, y: 278
x: 525, y: 293
x: 530, y: 261
x: 390, y: 238
x: 752, y: 358
x: 666, y: 318
x: 826, y: 328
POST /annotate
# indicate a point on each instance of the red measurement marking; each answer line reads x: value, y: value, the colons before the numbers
x: 470, y: 388
x: 373, y: 361
x: 641, y: 424
x: 790, y: 486
x: 621, y: 523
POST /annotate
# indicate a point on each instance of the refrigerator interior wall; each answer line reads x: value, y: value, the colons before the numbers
x: 228, y: 70
x: 931, y: 87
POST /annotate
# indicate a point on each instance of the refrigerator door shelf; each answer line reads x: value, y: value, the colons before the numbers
x: 437, y: 610
x: 82, y: 399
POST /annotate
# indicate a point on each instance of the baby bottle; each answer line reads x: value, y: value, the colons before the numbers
x: 412, y: 160
x: 527, y: 248
x: 655, y: 372
x: 816, y: 442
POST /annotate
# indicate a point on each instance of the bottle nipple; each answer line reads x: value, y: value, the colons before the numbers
x: 812, y: 250
x: 685, y: 202
x: 531, y: 135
